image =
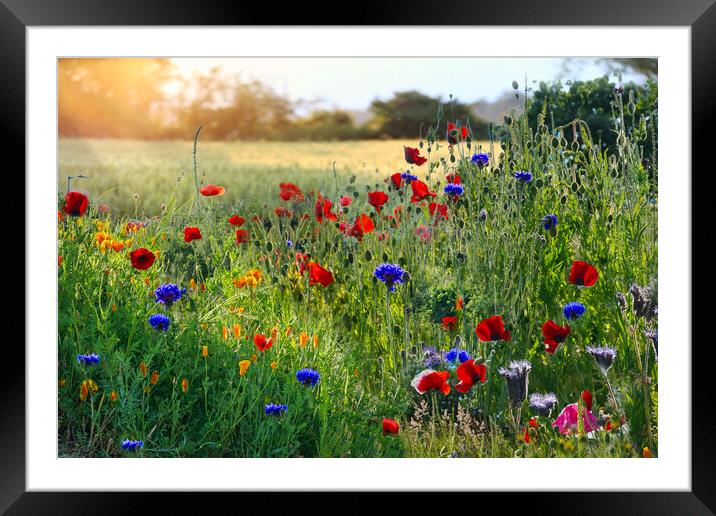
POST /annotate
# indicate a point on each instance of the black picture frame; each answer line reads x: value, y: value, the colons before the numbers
x: 699, y: 15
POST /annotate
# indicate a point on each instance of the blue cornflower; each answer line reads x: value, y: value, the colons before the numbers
x: 480, y: 159
x: 549, y: 221
x: 463, y: 356
x: 159, y: 322
x: 408, y: 177
x: 574, y: 310
x: 169, y: 293
x: 454, y: 190
x: 275, y: 409
x: 525, y: 177
x: 391, y: 274
x: 289, y: 243
x: 88, y: 359
x: 451, y: 355
x: 129, y: 444
x: 308, y: 376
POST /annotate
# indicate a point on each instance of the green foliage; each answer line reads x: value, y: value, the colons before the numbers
x: 367, y: 340
x: 604, y: 111
x: 407, y: 113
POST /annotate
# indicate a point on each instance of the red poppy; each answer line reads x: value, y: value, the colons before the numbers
x: 211, y: 190
x: 236, y: 221
x: 323, y: 209
x: 453, y: 178
x: 142, y: 258
x: 191, y: 233
x: 420, y: 191
x: 397, y: 216
x: 454, y: 134
x: 532, y: 423
x: 449, y: 323
x: 413, y: 156
x: 554, y: 335
x: 587, y: 398
x: 469, y: 374
x: 362, y: 225
x: 583, y: 274
x: 397, y: 180
x: 390, y: 426
x: 75, y: 204
x: 377, y: 200
x: 492, y: 329
x: 289, y: 191
x: 346, y: 200
x: 431, y: 380
x: 280, y: 211
x: 318, y: 274
x: 242, y: 236
x: 262, y: 343
x: 440, y: 209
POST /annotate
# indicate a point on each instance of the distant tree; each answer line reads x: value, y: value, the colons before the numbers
x: 402, y: 116
x: 111, y: 97
x: 592, y: 101
x: 644, y: 66
x: 324, y: 125
x: 230, y: 109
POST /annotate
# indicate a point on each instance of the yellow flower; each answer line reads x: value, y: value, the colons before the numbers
x: 646, y: 453
x: 143, y: 369
x: 61, y: 382
x: 155, y: 377
x: 184, y: 384
x: 205, y: 351
x: 274, y: 365
x: 356, y: 373
x: 204, y: 326
x: 315, y: 340
x: 243, y: 366
x: 288, y: 331
x: 303, y: 339
x: 113, y: 396
x: 192, y: 284
x: 225, y: 332
x: 254, y: 358
x: 114, y: 307
x: 88, y: 386
x: 237, y: 330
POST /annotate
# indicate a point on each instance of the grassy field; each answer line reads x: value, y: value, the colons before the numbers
x: 117, y: 169
x: 201, y: 384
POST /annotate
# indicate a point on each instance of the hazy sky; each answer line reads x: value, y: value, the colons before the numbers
x: 352, y: 83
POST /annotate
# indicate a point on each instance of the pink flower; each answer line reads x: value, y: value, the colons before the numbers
x: 424, y: 233
x: 567, y: 420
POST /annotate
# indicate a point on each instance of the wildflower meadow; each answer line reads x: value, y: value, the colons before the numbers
x: 486, y: 298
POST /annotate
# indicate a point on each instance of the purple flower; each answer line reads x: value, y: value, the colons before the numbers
x: 604, y: 356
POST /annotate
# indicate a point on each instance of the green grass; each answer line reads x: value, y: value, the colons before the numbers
x: 369, y: 345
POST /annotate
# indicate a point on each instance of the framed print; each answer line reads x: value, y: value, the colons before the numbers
x: 265, y: 263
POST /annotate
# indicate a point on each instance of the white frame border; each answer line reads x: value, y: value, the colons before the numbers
x: 671, y: 471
